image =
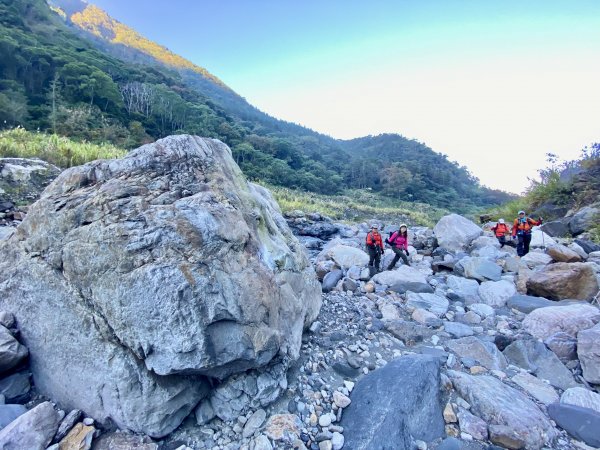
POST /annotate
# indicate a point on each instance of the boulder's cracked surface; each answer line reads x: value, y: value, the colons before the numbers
x: 134, y: 279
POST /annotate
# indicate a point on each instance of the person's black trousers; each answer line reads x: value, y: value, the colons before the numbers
x: 503, y: 241
x: 374, y: 257
x: 399, y: 254
x: 523, y: 244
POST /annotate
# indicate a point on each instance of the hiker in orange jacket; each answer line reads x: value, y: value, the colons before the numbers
x: 522, y: 230
x: 375, y: 248
x: 501, y: 230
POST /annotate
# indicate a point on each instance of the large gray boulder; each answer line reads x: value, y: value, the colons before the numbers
x: 403, y: 279
x: 564, y: 281
x: 481, y: 269
x: 556, y: 228
x: 496, y: 293
x: 483, y: 352
x: 499, y: 404
x: 466, y: 289
x: 455, y: 233
x: 562, y: 253
x: 345, y: 256
x: 151, y: 273
x: 395, y: 405
x: 540, y: 239
x: 571, y: 319
x: 583, y: 220
x: 33, y: 430
x: 579, y: 396
x: 535, y: 357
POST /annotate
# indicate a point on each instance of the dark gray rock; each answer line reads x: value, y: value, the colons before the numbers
x: 331, y: 280
x: 527, y: 303
x: 344, y: 369
x: 481, y: 269
x: 311, y: 243
x: 581, y: 423
x: 587, y: 246
x: 321, y: 230
x: 16, y: 387
x: 349, y: 285
x: 534, y: 356
x: 8, y: 413
x: 410, y: 286
x: 394, y: 405
x: 6, y: 205
x: 556, y: 228
x: 583, y: 220
x: 408, y: 332
x: 33, y: 430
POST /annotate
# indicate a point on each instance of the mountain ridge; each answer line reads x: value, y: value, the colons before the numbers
x: 87, y: 87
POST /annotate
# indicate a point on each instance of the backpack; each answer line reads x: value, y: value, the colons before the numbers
x: 387, y: 239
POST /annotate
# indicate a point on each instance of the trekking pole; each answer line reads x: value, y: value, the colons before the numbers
x: 543, y: 241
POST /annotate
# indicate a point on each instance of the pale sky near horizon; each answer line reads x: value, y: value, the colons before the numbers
x: 493, y: 85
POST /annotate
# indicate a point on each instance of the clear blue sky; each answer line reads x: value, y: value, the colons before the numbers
x: 493, y: 84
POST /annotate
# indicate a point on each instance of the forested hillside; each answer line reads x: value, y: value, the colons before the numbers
x: 106, y: 83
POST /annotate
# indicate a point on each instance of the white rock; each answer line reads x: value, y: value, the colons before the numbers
x: 346, y: 257
x: 455, y: 233
x: 571, y: 319
x: 541, y: 239
x: 579, y: 396
x: 536, y: 259
x: 464, y: 287
x: 325, y: 420
x: 482, y: 309
x: 337, y: 441
x: 496, y: 293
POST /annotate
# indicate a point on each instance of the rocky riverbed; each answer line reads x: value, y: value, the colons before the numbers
x: 470, y: 347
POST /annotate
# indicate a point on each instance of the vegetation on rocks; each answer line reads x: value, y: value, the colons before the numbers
x: 60, y: 151
x: 356, y: 205
x: 563, y: 186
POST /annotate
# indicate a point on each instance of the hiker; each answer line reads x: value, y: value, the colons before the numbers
x: 399, y: 243
x: 375, y: 248
x: 501, y: 230
x: 522, y: 230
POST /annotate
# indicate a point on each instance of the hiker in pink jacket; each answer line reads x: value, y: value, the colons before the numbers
x: 399, y: 243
